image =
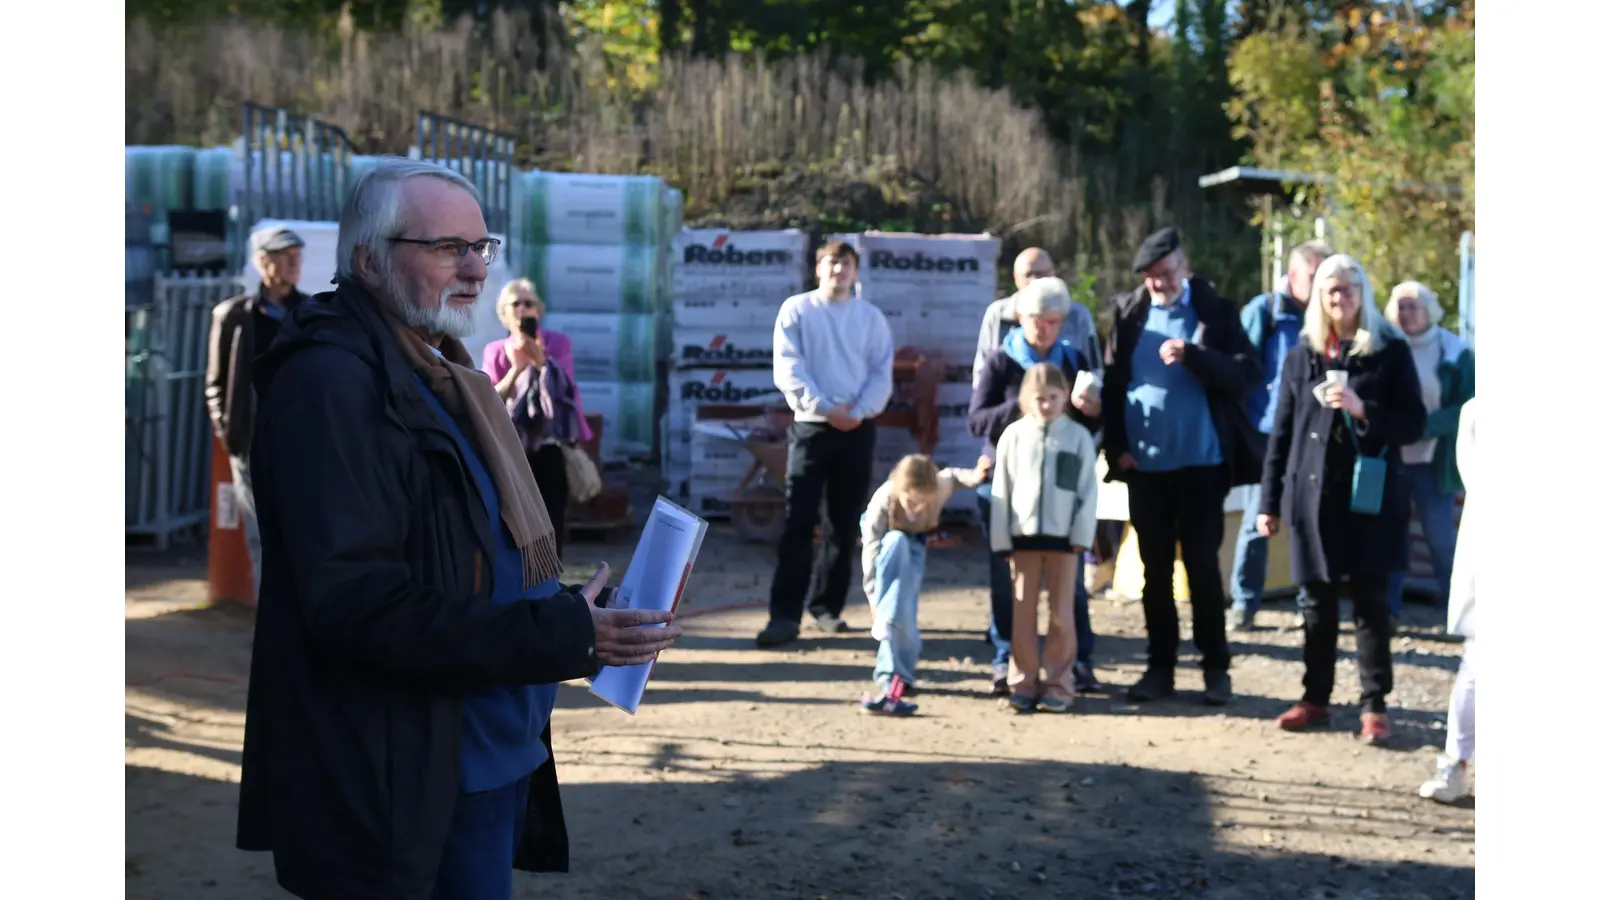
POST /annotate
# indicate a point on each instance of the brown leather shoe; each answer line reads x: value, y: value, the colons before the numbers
x: 1375, y: 729
x: 1303, y: 715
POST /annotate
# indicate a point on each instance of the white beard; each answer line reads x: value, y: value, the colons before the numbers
x: 444, y: 319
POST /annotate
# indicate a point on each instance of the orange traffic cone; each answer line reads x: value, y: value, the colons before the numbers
x: 228, y: 563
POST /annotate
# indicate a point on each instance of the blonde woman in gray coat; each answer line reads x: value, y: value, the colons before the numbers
x: 1449, y: 781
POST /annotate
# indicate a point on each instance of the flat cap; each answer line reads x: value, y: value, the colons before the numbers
x: 1156, y: 246
x: 274, y: 238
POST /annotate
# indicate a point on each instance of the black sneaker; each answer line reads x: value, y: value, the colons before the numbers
x: 829, y: 624
x: 1083, y: 680
x: 1219, y: 689
x: 777, y: 633
x: 999, y: 687
x: 1154, y: 684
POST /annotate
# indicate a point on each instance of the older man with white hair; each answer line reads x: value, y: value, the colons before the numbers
x: 242, y: 328
x: 411, y: 631
x: 1077, y: 325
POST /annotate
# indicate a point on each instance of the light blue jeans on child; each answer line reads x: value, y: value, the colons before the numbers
x: 898, y: 569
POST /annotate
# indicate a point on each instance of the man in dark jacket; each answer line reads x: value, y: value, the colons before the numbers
x: 411, y: 630
x: 242, y: 328
x: 1178, y: 367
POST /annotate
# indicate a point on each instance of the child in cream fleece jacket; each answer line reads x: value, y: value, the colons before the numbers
x: 1043, y: 515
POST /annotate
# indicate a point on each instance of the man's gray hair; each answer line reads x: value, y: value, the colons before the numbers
x: 371, y: 213
x: 1312, y: 252
x: 1042, y: 297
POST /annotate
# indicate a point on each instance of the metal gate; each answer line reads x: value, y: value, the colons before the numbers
x: 482, y: 156
x: 168, y: 432
x: 295, y: 167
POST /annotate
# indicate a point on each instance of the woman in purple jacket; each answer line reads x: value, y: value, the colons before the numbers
x: 532, y: 370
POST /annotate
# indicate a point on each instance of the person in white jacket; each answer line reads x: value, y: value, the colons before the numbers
x: 1449, y: 781
x: 894, y: 550
x: 1043, y: 515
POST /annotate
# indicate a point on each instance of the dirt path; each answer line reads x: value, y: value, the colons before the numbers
x: 750, y: 774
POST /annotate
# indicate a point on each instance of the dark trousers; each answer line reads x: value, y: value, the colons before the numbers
x: 823, y: 462
x: 1371, y: 608
x: 1182, y: 507
x: 837, y: 465
x: 479, y: 850
x: 549, y: 464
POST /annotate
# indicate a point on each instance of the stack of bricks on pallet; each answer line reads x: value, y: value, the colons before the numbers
x: 727, y: 288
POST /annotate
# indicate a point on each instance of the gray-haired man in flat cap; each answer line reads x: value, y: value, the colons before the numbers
x: 1178, y: 369
x: 242, y: 328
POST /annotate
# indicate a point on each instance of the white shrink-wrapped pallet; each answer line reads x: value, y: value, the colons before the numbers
x: 608, y: 346
x: 713, y: 262
x: 559, y: 208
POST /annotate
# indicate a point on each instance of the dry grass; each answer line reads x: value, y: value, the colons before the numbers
x: 708, y: 127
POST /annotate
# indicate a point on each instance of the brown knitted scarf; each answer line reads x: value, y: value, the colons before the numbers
x: 466, y: 393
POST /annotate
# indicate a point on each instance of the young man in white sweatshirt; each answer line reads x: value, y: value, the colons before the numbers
x: 833, y: 358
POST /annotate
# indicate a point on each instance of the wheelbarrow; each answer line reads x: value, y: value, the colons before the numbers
x: 756, y: 505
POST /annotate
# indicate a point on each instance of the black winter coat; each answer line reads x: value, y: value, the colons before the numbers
x: 374, y: 619
x: 994, y: 397
x: 1296, y: 464
x: 1224, y: 361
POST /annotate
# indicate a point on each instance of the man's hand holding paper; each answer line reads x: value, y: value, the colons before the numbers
x: 627, y: 637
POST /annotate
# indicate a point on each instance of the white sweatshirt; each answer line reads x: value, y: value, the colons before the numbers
x: 1044, y: 483
x: 827, y: 352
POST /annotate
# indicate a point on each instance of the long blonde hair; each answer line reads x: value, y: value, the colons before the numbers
x: 915, y: 474
x: 1372, y: 332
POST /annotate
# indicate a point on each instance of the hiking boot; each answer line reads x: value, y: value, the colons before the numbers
x: 777, y: 633
x: 829, y: 624
x: 1241, y: 620
x: 1303, y: 715
x: 1083, y: 680
x: 1219, y: 689
x: 1375, y: 729
x: 1154, y: 684
x: 1449, y: 781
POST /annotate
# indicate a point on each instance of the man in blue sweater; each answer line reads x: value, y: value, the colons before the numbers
x: 1272, y: 323
x: 1178, y: 368
x: 833, y: 358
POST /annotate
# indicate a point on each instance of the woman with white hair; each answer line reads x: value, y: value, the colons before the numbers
x: 1446, y: 372
x: 1348, y: 401
x: 1041, y: 308
x: 532, y: 370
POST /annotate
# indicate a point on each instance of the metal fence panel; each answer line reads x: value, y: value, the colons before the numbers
x: 168, y: 431
x: 295, y: 167
x: 480, y: 155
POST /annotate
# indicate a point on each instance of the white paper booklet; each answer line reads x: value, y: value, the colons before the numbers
x: 655, y: 579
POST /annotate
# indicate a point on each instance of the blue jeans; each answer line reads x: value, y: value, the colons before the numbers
x: 1438, y: 514
x: 1249, y: 555
x: 1000, y: 599
x: 898, y: 570
x: 482, y: 842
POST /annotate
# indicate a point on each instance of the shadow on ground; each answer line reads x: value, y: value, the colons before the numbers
x: 959, y: 829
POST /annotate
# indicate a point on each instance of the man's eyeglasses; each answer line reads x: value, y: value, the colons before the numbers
x: 454, y: 250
